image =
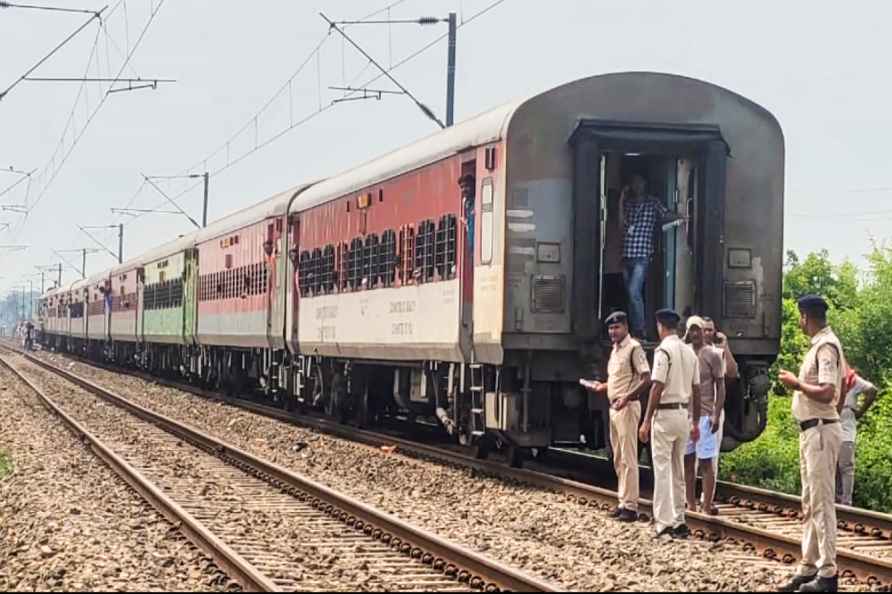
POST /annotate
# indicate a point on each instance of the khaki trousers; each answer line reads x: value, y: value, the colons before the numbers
x: 818, y: 456
x: 671, y: 430
x: 624, y: 441
x: 845, y: 473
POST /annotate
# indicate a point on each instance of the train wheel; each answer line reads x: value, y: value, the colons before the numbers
x: 363, y: 409
x: 515, y: 456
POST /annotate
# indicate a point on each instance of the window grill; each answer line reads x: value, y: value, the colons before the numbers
x: 370, y: 262
x: 329, y: 272
x: 407, y: 253
x: 316, y: 268
x: 446, y: 247
x: 425, y: 240
x: 303, y: 273
x: 389, y: 258
x: 354, y: 264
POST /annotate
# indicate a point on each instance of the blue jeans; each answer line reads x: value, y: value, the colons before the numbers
x: 634, y: 274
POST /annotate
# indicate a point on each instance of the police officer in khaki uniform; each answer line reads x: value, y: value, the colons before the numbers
x: 816, y: 408
x: 675, y: 389
x: 628, y: 378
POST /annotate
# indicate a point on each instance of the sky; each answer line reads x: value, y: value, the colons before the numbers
x: 820, y: 68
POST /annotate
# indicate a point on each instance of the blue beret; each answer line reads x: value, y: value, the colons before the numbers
x: 617, y: 317
x: 812, y: 303
x: 668, y: 315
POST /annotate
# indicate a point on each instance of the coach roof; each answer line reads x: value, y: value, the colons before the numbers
x: 484, y: 128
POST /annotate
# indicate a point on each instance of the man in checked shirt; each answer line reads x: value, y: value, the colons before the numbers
x: 641, y: 213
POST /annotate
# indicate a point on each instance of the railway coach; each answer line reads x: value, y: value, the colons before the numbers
x: 395, y: 289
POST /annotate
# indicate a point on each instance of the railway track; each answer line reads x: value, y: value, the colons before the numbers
x: 267, y: 527
x: 767, y: 523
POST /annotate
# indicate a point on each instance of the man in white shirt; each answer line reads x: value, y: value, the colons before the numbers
x: 852, y: 411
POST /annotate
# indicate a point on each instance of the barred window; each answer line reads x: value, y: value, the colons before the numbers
x: 370, y: 262
x: 446, y: 247
x: 329, y: 273
x: 407, y: 251
x: 389, y: 258
x: 316, y: 268
x: 303, y: 273
x: 425, y: 240
x: 354, y: 264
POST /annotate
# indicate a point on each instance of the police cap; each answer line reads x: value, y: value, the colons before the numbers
x: 617, y: 317
x: 668, y: 317
x: 813, y: 304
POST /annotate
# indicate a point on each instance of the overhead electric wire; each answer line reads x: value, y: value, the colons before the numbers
x: 48, y: 8
x: 96, y: 15
x: 295, y: 124
x: 102, y: 101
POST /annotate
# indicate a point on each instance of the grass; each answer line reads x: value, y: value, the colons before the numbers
x: 5, y: 465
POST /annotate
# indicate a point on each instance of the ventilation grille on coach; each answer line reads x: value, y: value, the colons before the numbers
x: 548, y: 294
x: 740, y: 299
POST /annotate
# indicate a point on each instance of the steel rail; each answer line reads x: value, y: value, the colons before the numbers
x: 236, y: 566
x: 469, y: 567
x: 770, y: 545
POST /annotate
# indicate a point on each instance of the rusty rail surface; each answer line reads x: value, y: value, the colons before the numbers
x: 466, y: 566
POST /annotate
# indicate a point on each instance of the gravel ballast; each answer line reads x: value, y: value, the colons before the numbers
x: 67, y: 522
x: 535, y: 530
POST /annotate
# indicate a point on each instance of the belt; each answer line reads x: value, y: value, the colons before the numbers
x: 674, y: 406
x: 812, y: 423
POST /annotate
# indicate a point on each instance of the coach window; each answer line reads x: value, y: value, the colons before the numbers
x: 486, y: 222
x: 316, y: 268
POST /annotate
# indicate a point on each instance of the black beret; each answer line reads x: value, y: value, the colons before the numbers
x: 812, y: 303
x: 617, y: 317
x: 668, y: 316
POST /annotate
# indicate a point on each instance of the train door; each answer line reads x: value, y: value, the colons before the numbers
x: 190, y: 294
x: 468, y: 188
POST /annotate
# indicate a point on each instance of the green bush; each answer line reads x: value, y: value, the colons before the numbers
x: 861, y: 314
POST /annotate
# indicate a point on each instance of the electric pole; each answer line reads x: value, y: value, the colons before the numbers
x: 204, y: 218
x: 450, y: 71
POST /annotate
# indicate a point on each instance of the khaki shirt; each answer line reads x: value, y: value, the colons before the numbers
x: 627, y: 363
x: 712, y: 369
x: 677, y: 367
x: 823, y: 364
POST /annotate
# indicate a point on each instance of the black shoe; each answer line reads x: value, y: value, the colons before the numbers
x: 796, y: 582
x: 821, y: 584
x: 617, y: 513
x: 628, y: 516
x: 681, y: 532
x: 664, y: 532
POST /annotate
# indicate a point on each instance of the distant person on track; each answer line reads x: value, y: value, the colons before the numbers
x: 628, y: 378
x: 641, y: 213
x: 852, y: 411
x: 29, y: 336
x: 816, y: 400
x: 705, y: 452
x: 675, y: 389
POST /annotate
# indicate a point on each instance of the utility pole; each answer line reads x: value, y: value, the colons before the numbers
x: 450, y: 71
x: 204, y: 218
x: 120, y: 243
x: 60, y: 275
x: 84, y: 265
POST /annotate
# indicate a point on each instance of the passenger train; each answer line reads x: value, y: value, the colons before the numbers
x: 389, y: 290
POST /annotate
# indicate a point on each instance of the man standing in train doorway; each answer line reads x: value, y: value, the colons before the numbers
x: 816, y: 408
x: 640, y: 214
x: 675, y: 389
x: 467, y: 184
x: 628, y: 378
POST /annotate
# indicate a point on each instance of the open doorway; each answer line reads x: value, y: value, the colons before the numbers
x: 674, y: 181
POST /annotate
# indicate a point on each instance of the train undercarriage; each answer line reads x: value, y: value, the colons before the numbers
x: 481, y: 407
